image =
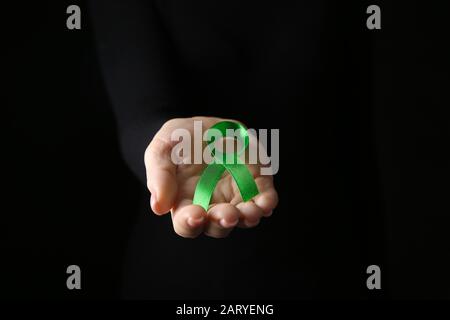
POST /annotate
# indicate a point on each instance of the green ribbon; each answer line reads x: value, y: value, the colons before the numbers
x: 225, y: 161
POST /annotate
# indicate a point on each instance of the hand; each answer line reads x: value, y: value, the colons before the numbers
x: 172, y: 189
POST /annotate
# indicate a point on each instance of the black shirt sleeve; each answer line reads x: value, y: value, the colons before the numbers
x: 133, y: 49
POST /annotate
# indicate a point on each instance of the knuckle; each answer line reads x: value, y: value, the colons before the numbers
x: 156, y: 147
x: 172, y: 122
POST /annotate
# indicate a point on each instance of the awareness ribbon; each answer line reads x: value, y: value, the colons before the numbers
x: 238, y: 170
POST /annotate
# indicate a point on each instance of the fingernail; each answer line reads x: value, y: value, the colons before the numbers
x: 195, y: 222
x: 228, y: 224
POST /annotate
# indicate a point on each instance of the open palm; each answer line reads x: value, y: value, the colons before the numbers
x: 172, y: 187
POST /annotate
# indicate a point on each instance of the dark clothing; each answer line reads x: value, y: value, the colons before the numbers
x: 306, y: 68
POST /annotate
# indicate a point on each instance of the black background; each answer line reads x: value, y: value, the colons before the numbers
x: 70, y: 199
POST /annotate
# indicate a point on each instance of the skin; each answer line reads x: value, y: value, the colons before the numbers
x: 172, y: 189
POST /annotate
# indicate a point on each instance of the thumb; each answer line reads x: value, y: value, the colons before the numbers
x: 161, y: 174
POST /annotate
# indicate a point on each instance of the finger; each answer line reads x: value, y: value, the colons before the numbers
x: 222, y: 218
x: 250, y: 214
x: 160, y: 169
x: 161, y: 174
x: 267, y: 199
x: 188, y: 220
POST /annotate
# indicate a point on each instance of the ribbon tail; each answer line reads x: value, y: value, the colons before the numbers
x: 206, y: 185
x: 244, y: 180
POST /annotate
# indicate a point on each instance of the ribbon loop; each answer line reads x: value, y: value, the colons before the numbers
x: 238, y: 170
